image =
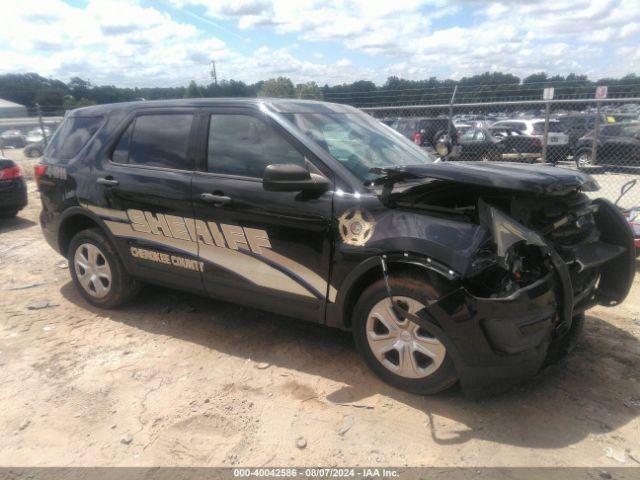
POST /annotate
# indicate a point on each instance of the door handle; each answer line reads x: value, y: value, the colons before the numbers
x: 107, y: 182
x: 215, y: 199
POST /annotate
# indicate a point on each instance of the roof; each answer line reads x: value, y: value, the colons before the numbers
x: 276, y: 104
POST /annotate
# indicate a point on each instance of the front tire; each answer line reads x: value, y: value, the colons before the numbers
x: 401, y: 353
x: 97, y: 271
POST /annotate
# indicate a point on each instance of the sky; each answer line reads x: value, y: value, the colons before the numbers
x: 170, y: 42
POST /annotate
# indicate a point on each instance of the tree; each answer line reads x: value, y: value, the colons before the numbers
x: 193, y: 91
x: 277, y: 87
x: 309, y: 91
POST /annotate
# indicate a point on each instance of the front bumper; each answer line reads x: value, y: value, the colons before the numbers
x: 13, y: 194
x: 496, y: 342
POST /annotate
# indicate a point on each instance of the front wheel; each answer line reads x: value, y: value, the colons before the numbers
x: 97, y: 271
x: 401, y: 352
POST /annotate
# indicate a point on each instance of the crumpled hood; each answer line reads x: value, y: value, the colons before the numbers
x: 529, y: 178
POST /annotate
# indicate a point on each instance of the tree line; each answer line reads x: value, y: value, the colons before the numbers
x: 55, y: 96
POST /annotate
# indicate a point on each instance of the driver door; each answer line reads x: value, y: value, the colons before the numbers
x: 269, y: 250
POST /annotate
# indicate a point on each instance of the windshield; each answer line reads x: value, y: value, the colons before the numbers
x: 359, y: 142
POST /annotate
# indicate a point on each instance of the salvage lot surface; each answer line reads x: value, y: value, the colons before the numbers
x: 175, y: 379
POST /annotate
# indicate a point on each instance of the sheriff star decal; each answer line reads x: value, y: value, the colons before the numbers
x: 356, y: 226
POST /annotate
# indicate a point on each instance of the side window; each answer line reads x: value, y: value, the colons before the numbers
x: 468, y: 135
x: 72, y: 135
x: 244, y: 145
x: 121, y: 152
x: 160, y: 140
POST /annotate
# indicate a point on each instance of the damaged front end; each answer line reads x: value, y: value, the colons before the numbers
x: 545, y: 259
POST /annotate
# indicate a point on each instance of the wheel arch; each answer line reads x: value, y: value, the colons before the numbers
x: 76, y: 219
x: 369, y: 271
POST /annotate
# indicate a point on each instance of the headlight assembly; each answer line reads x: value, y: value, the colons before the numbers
x: 506, y: 231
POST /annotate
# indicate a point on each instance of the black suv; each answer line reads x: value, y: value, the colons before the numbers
x: 443, y: 271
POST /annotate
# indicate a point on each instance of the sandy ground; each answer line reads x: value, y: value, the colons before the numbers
x: 179, y: 380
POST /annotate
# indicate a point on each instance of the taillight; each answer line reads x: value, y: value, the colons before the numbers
x: 9, y: 173
x: 417, y: 138
x: 38, y: 171
x: 536, y: 142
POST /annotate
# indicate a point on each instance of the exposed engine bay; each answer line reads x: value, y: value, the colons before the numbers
x: 528, y: 236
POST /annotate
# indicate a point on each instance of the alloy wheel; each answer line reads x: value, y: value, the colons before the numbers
x: 400, y: 345
x: 92, y: 270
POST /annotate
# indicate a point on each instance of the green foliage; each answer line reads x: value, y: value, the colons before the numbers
x: 309, y: 91
x: 55, y: 96
x: 193, y: 90
x: 277, y: 87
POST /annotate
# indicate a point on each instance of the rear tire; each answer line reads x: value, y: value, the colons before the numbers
x: 429, y: 374
x: 97, y: 271
x: 583, y: 159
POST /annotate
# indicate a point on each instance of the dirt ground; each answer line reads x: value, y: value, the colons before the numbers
x: 179, y: 380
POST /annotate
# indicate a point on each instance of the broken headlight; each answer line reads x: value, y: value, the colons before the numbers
x: 505, y: 230
x: 514, y: 258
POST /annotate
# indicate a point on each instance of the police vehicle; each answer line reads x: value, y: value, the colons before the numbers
x: 445, y: 272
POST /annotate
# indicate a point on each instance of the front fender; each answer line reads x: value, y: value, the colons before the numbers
x: 371, y: 267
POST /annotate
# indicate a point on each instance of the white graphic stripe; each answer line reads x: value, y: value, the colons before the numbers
x: 248, y: 267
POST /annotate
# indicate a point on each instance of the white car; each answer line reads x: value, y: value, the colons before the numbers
x: 535, y: 128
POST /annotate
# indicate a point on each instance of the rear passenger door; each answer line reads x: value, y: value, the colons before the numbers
x: 265, y: 249
x: 146, y: 186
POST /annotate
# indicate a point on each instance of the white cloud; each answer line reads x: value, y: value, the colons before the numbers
x: 114, y: 41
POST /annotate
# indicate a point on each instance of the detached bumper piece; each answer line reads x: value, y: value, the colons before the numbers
x: 496, y: 342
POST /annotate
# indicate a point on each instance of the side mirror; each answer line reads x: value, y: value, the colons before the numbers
x: 289, y: 177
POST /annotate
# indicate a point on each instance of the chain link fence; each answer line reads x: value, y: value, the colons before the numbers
x: 599, y: 137
x: 29, y: 132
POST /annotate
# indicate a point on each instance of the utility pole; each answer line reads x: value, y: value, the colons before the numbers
x: 44, y: 135
x: 214, y: 75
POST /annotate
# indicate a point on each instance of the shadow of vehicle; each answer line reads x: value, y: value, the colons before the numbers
x: 582, y: 396
x: 12, y: 224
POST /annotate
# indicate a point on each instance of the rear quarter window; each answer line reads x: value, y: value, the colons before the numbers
x: 71, y: 137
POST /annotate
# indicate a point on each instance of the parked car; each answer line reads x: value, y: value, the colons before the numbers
x: 497, y: 143
x: 576, y: 125
x: 426, y: 132
x: 444, y: 272
x: 13, y: 189
x: 35, y: 135
x: 558, y: 147
x: 34, y: 150
x: 12, y: 138
x: 617, y: 144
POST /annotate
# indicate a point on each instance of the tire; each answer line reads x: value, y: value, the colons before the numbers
x: 9, y: 214
x: 102, y: 287
x: 440, y: 135
x: 431, y: 377
x: 583, y: 159
x: 561, y: 347
x: 34, y: 153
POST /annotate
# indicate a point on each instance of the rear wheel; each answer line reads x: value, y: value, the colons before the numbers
x: 97, y: 271
x: 583, y: 159
x: 401, y: 352
x: 34, y: 153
